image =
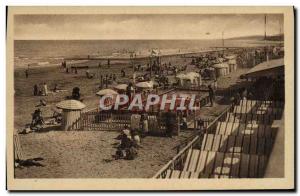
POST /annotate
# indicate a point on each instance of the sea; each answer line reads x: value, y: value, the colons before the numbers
x: 41, y: 53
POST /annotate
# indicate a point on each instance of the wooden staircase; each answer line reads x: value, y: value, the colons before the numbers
x: 238, y: 148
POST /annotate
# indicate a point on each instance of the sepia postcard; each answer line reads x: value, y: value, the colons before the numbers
x: 150, y: 98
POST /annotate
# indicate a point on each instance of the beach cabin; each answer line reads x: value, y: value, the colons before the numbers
x: 222, y: 69
x: 231, y: 63
x: 71, y: 113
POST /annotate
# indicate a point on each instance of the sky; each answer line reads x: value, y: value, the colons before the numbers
x: 143, y: 26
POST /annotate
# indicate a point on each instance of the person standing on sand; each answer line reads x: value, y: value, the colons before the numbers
x: 144, y: 122
x: 170, y: 121
x: 128, y: 91
x: 211, y: 95
x: 215, y: 84
x: 35, y: 90
x: 45, y: 89
x: 26, y: 73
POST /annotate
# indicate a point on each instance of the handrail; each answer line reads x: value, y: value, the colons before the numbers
x: 169, y: 164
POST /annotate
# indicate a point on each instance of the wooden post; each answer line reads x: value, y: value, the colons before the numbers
x: 195, y: 122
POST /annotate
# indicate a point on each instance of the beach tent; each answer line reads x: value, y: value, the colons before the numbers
x: 183, y: 79
x: 71, y: 113
x: 106, y: 91
x: 195, y: 78
x: 189, y: 78
x: 222, y: 69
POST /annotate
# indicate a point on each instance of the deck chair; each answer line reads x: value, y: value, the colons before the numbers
x: 19, y: 158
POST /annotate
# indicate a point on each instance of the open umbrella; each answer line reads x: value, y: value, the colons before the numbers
x: 70, y: 104
x: 106, y: 92
x: 121, y: 86
x: 145, y: 84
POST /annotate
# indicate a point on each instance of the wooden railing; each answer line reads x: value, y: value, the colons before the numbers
x: 177, y: 161
x: 222, y: 117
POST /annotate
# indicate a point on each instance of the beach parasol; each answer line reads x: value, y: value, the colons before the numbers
x: 145, y: 84
x: 106, y: 91
x: 121, y: 86
x: 70, y: 105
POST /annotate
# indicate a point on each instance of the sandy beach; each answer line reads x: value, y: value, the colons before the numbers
x: 89, y: 153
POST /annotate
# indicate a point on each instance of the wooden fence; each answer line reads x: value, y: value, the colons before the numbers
x: 116, y: 120
x: 100, y: 121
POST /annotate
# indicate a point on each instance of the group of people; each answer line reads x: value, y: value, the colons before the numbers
x: 129, y: 143
x: 40, y: 90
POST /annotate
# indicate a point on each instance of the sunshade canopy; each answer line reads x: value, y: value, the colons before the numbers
x: 106, y: 91
x: 70, y: 105
x: 121, y: 86
x: 145, y: 84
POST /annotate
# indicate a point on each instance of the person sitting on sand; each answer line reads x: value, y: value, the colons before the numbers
x: 41, y: 103
x: 89, y: 75
x: 76, y: 93
x: 123, y: 73
x: 37, y: 119
x: 55, y: 89
x: 126, y: 143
